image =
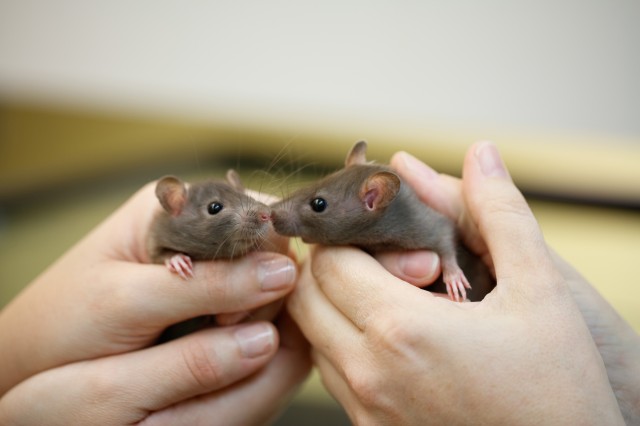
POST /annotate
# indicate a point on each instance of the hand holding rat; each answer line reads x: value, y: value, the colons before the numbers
x: 394, y: 354
x: 77, y: 339
x: 367, y: 205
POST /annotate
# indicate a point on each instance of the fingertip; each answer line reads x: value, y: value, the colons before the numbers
x: 276, y: 272
x: 256, y: 339
x: 484, y: 159
x: 408, y: 165
x: 419, y: 267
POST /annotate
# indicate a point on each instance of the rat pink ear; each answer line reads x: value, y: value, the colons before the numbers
x: 234, y: 179
x: 357, y: 155
x: 172, y: 193
x: 379, y: 190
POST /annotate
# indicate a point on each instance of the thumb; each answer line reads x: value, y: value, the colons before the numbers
x: 505, y: 222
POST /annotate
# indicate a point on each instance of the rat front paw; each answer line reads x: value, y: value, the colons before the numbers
x: 456, y: 283
x: 180, y: 264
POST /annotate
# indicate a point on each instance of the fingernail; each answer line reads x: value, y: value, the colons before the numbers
x: 255, y: 340
x: 419, y: 265
x: 491, y: 164
x: 417, y: 167
x: 276, y: 274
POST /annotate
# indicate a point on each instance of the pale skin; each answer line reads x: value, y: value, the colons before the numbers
x: 79, y: 339
x: 542, y: 348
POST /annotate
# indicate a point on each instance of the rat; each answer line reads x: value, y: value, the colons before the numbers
x: 204, y: 221
x: 369, y: 206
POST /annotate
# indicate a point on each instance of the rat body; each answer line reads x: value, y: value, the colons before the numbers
x: 369, y: 206
x: 205, y: 221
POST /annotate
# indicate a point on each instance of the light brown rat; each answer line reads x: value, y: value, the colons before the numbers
x: 205, y: 221
x: 369, y: 206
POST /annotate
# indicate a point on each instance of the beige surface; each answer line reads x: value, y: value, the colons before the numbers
x: 56, y: 146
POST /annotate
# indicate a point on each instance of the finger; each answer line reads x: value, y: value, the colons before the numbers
x: 441, y: 192
x: 323, y: 325
x: 131, y: 292
x: 336, y: 383
x: 255, y: 399
x: 419, y: 268
x: 200, y: 363
x: 124, y: 389
x: 505, y: 220
x: 360, y: 287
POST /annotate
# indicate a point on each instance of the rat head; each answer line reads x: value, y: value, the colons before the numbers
x: 342, y: 205
x: 213, y: 219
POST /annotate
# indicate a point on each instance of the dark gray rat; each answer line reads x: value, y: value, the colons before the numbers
x: 205, y: 221
x: 369, y: 206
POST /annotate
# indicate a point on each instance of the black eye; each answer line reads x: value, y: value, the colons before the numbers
x: 214, y: 208
x: 318, y: 205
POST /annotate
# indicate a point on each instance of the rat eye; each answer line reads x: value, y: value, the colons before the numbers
x: 214, y: 208
x: 318, y: 205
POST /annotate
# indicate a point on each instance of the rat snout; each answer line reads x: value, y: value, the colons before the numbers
x: 264, y: 217
x: 262, y: 214
x: 280, y: 222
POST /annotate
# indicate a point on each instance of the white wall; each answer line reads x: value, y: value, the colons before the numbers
x: 567, y: 65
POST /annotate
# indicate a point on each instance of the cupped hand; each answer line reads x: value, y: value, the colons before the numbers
x: 617, y: 342
x: 94, y: 314
x: 394, y: 354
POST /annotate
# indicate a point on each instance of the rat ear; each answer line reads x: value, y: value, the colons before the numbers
x: 172, y: 193
x: 234, y: 179
x: 357, y: 155
x: 379, y: 190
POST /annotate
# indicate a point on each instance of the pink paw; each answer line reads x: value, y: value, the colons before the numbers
x: 456, y: 283
x: 180, y: 264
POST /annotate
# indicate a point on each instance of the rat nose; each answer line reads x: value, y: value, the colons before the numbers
x: 264, y: 217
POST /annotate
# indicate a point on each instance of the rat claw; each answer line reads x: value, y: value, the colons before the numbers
x: 463, y: 293
x: 180, y: 264
x: 456, y: 283
x: 449, y: 291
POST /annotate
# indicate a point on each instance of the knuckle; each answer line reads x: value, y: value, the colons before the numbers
x: 391, y: 334
x: 329, y: 264
x: 368, y: 385
x: 205, y: 370
x: 507, y: 206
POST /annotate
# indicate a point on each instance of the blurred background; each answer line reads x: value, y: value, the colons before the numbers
x: 97, y: 98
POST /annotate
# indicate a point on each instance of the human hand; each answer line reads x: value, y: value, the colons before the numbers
x: 394, y: 354
x: 617, y: 342
x: 81, y: 334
